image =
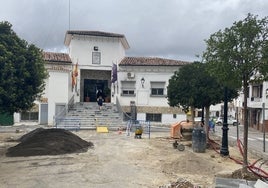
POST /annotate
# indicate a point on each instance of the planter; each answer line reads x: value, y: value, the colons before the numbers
x: 107, y: 99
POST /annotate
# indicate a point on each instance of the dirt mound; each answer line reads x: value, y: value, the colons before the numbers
x: 180, y: 183
x: 48, y: 142
x: 240, y: 174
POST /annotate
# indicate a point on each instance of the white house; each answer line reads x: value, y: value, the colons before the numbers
x: 258, y: 105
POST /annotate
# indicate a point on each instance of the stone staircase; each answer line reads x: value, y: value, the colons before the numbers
x: 89, y: 116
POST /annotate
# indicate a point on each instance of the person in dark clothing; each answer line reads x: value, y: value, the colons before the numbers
x: 99, y: 93
x: 100, y: 102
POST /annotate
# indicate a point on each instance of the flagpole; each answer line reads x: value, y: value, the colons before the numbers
x: 69, y: 14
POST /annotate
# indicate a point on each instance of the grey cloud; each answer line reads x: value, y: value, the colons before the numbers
x: 170, y: 29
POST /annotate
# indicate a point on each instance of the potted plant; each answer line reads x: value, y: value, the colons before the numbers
x: 87, y: 89
x: 107, y: 94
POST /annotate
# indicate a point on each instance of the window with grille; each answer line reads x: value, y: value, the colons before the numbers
x: 154, y: 117
x: 128, y: 88
x: 257, y: 91
x: 96, y: 58
x: 157, y: 88
x: 29, y: 116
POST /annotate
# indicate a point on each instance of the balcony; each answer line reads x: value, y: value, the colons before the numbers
x: 255, y: 102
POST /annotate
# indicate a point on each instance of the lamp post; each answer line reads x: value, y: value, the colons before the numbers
x: 224, y: 147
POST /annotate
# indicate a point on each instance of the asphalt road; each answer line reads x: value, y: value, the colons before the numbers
x: 257, y: 145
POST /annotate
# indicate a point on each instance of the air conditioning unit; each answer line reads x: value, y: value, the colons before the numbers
x: 130, y: 75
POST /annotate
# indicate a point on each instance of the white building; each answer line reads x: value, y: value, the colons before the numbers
x: 139, y: 88
x: 257, y: 101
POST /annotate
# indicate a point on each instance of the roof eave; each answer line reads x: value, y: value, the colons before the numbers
x: 67, y: 39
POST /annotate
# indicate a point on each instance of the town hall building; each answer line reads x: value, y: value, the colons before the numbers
x: 97, y: 61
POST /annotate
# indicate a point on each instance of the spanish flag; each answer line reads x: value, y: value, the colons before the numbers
x: 75, y: 74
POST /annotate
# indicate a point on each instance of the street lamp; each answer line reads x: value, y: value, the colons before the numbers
x: 224, y: 147
x: 142, y: 82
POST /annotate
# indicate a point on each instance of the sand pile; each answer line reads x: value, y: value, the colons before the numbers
x: 48, y: 142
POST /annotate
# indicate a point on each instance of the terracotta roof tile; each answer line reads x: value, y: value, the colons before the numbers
x: 150, y: 61
x: 57, y: 57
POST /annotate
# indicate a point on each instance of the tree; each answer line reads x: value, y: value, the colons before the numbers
x: 193, y: 87
x: 238, y: 54
x: 22, y: 71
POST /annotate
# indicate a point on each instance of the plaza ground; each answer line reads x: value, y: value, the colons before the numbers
x: 117, y: 160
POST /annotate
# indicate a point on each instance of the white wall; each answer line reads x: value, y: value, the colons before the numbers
x: 111, y: 51
x: 58, y: 88
x: 143, y: 97
x: 166, y: 118
x: 81, y: 48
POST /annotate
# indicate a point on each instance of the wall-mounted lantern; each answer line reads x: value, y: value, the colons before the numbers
x: 142, y: 82
x: 96, y: 48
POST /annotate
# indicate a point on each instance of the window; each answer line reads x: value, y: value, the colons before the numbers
x: 257, y: 91
x: 96, y: 58
x: 157, y: 88
x: 25, y: 116
x: 154, y: 117
x: 157, y: 91
x: 128, y: 88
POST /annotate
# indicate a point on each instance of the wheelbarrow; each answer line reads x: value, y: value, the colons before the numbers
x: 178, y: 145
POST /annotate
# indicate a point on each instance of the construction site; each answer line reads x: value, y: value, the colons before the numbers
x: 49, y: 157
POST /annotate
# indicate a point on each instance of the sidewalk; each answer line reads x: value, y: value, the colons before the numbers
x: 24, y: 126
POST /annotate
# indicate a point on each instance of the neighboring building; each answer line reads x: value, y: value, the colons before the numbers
x: 138, y: 86
x: 258, y: 98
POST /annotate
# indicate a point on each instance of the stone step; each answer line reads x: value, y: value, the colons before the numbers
x: 89, y: 116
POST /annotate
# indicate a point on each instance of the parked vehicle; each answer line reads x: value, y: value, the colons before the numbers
x: 230, y: 121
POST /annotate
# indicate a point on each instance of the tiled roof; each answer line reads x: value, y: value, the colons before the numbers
x: 95, y: 33
x: 70, y: 33
x: 150, y: 61
x: 57, y: 57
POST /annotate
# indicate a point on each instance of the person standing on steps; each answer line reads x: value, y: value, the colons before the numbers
x: 100, y: 102
x: 99, y: 93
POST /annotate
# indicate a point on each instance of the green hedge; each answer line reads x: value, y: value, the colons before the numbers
x: 6, y: 119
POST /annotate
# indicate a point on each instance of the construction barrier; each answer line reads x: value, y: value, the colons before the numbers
x: 133, y: 125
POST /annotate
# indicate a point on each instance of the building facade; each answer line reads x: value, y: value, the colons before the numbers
x: 95, y: 62
x: 258, y: 105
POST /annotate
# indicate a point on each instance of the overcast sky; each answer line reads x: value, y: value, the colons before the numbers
x: 174, y: 29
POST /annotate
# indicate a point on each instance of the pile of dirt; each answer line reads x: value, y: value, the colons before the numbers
x: 180, y: 183
x: 240, y: 174
x: 48, y: 142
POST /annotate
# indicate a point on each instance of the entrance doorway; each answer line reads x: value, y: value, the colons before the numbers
x: 91, y: 86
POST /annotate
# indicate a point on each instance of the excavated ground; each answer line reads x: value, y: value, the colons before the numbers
x: 57, y: 158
